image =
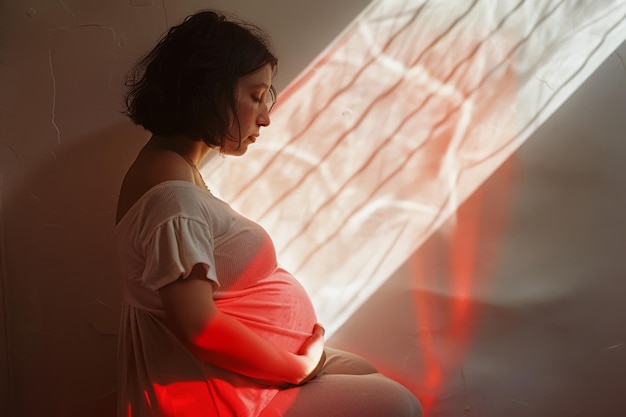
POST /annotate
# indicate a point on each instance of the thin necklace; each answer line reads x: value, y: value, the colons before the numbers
x: 195, y: 167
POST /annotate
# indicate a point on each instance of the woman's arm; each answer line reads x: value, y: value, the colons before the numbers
x: 222, y: 340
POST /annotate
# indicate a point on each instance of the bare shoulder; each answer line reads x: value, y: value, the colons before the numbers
x: 150, y: 168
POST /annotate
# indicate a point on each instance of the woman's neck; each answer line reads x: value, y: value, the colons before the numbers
x: 193, y: 151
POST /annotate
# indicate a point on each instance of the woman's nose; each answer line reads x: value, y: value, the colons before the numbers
x: 264, y: 117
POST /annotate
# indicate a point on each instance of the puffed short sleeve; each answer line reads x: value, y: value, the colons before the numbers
x: 174, y: 248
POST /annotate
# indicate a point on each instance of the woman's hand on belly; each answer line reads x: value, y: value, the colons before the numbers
x: 312, y: 355
x: 313, y: 350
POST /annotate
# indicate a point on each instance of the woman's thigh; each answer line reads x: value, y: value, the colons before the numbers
x: 342, y: 362
x: 336, y: 395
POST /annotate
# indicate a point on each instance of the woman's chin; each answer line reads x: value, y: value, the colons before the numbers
x: 237, y: 152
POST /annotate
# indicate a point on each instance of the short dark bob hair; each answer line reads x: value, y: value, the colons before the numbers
x: 186, y: 84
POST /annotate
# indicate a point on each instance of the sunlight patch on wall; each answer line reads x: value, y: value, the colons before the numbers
x: 377, y: 143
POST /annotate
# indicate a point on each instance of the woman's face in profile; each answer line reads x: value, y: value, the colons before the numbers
x: 254, y: 100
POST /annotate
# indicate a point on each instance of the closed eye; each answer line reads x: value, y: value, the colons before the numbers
x: 268, y: 97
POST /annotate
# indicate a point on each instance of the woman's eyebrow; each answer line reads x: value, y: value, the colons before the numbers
x: 260, y: 85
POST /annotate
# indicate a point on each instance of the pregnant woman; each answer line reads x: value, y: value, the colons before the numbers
x: 211, y: 324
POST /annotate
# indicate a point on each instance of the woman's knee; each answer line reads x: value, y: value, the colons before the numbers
x: 401, y: 402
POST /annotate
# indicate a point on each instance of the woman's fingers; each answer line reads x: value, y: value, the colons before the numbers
x: 319, y: 329
x: 313, y: 350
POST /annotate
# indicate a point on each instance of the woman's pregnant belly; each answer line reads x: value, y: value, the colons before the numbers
x: 277, y: 308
